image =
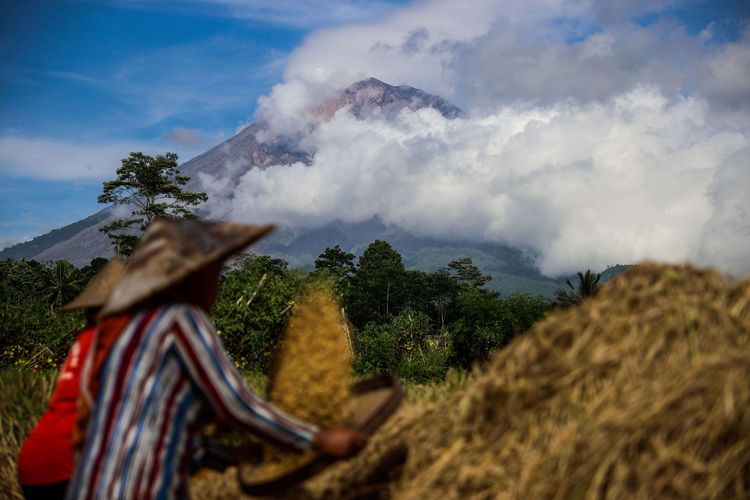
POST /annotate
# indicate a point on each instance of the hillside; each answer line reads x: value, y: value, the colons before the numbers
x: 38, y: 245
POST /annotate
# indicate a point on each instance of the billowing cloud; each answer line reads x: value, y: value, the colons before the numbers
x: 590, y: 139
x: 584, y: 185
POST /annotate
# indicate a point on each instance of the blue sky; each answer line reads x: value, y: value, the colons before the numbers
x: 83, y: 83
x: 166, y: 76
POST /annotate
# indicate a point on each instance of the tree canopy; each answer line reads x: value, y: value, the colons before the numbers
x: 378, y: 284
x: 467, y: 273
x: 340, y: 265
x: 151, y: 187
x: 588, y: 285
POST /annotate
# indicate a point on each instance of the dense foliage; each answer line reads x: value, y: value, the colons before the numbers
x: 31, y: 330
x: 414, y: 323
x: 150, y: 187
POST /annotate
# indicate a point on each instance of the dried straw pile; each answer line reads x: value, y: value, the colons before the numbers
x: 312, y: 373
x: 642, y: 392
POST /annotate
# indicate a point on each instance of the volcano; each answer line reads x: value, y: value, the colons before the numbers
x: 255, y: 147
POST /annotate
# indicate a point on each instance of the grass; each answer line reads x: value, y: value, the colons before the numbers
x: 25, y: 394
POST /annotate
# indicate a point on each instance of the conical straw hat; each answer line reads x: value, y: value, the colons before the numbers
x: 99, y: 287
x: 172, y: 249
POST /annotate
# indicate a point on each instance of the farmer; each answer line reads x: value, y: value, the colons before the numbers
x: 45, y: 462
x: 160, y: 370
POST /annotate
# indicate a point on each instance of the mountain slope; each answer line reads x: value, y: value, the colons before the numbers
x: 40, y: 244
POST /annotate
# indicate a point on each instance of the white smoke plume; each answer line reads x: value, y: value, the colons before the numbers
x: 589, y: 139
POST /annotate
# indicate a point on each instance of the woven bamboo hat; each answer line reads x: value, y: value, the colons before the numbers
x: 99, y: 287
x: 171, y: 250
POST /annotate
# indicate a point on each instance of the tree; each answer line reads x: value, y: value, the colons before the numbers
x: 467, y: 273
x: 443, y: 290
x: 63, y: 282
x: 378, y: 285
x: 93, y: 268
x: 340, y: 265
x: 262, y: 263
x: 151, y: 187
x: 22, y: 280
x: 588, y: 285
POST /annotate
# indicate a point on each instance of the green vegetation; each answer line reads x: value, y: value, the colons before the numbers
x: 150, y: 187
x: 588, y: 285
x: 32, y: 333
x: 416, y: 324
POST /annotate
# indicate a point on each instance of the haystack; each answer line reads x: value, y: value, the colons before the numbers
x: 641, y: 392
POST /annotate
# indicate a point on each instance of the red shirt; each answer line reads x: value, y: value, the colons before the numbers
x: 46, y: 456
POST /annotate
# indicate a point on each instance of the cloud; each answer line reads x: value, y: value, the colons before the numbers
x: 726, y: 238
x: 538, y: 51
x: 590, y: 139
x: 724, y: 76
x: 583, y: 185
x: 53, y: 159
x: 186, y: 136
x: 306, y: 13
x: 301, y: 14
x: 288, y: 108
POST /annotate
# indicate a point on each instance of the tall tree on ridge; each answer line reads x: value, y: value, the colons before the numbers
x: 151, y: 187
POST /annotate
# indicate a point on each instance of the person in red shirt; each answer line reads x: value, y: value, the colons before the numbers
x: 45, y: 462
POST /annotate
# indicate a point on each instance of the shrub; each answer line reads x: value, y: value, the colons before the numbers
x: 31, y: 333
x: 427, y: 365
x: 376, y: 350
x: 254, y: 303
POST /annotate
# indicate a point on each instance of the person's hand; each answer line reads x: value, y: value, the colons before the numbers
x: 339, y: 443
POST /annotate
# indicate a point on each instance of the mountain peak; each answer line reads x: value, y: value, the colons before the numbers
x: 372, y: 96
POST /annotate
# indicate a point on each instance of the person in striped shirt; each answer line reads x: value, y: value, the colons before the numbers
x: 162, y: 373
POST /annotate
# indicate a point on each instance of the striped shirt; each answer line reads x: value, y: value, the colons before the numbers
x: 164, y: 373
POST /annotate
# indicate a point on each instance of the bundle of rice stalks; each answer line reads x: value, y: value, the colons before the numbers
x: 642, y: 391
x: 312, y: 373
